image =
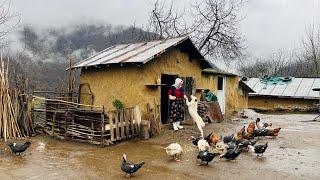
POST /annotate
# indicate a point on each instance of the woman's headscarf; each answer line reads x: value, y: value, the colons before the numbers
x: 177, y: 83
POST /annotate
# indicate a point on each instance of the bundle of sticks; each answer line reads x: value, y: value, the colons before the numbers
x: 15, y: 119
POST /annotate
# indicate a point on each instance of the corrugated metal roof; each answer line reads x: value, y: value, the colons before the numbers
x: 297, y: 88
x: 132, y: 53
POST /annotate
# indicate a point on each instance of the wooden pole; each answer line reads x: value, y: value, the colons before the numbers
x: 102, y: 128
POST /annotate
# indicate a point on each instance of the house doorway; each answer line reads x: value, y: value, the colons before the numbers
x: 221, y: 94
x: 168, y: 80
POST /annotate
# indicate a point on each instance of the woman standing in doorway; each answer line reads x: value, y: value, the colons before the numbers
x: 176, y: 104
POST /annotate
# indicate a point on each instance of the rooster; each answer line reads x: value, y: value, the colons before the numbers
x: 250, y: 130
x: 18, y: 148
x: 128, y: 167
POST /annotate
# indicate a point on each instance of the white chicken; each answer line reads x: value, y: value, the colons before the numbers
x: 203, y: 145
x: 174, y: 150
x: 221, y: 147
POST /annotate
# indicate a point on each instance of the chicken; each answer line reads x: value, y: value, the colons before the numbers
x: 206, y: 156
x: 227, y: 139
x: 238, y: 137
x: 203, y: 145
x: 18, y: 148
x: 258, y: 149
x: 213, y: 138
x: 231, y: 154
x: 128, y: 167
x: 274, y: 132
x: 250, y: 130
x: 174, y: 150
x: 221, y: 147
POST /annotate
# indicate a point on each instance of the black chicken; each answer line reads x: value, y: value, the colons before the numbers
x: 258, y: 149
x: 232, y: 154
x: 206, y: 156
x: 129, y: 167
x: 18, y: 148
x: 227, y: 139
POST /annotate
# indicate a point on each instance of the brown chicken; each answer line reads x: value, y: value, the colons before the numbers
x: 213, y: 138
x: 238, y: 137
x: 250, y: 130
x: 274, y: 132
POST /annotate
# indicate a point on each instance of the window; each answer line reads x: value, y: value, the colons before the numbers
x: 220, y: 83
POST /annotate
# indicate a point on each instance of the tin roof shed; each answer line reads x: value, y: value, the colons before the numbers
x: 295, y: 88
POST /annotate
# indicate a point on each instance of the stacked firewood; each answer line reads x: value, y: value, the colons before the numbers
x: 15, y: 120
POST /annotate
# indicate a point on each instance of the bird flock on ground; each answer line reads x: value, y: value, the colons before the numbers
x: 214, y: 145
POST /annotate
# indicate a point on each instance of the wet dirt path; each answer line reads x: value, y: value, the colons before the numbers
x: 295, y: 154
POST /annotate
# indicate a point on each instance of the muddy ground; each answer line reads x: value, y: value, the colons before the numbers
x: 294, y: 154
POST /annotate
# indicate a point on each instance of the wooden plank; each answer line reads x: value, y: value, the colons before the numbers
x: 102, y: 128
x: 126, y: 118
x: 131, y: 121
x: 123, y: 136
x: 117, y: 125
x: 111, y: 126
x: 53, y: 123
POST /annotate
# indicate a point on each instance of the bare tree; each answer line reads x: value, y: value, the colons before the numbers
x: 216, y: 28
x: 276, y: 64
x: 311, y: 50
x: 8, y: 21
x: 166, y: 22
x: 212, y: 24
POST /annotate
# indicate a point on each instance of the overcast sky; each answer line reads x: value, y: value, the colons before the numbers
x: 268, y: 24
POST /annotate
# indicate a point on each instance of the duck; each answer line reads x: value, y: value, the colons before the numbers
x: 245, y: 143
x: 260, y: 132
x: 231, y: 145
x: 18, y: 148
x: 128, y: 167
x: 206, y: 156
x: 174, y: 150
x: 195, y: 140
x: 231, y: 154
x: 258, y: 149
x: 259, y: 124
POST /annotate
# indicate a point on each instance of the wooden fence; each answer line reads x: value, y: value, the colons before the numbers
x: 83, y: 123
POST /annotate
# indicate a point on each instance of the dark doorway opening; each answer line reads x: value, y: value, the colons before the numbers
x: 168, y: 80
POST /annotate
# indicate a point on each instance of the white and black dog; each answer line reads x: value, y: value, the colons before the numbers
x: 193, y: 111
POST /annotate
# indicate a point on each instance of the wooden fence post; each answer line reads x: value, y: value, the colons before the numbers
x: 102, y: 127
